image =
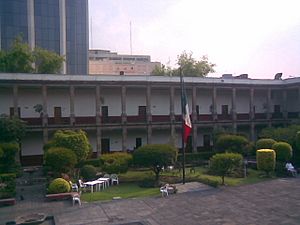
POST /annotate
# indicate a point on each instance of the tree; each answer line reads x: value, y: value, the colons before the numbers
x: 232, y: 143
x: 18, y: 59
x: 11, y: 129
x: 190, y: 67
x: 77, y: 141
x: 224, y: 163
x: 47, y: 61
x: 162, y: 71
x: 155, y: 156
x: 21, y: 59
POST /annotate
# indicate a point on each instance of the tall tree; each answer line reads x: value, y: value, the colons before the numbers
x: 191, y: 67
x: 11, y: 129
x: 21, y: 59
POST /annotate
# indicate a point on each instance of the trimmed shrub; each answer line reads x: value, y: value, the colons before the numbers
x: 88, y: 172
x: 8, y: 158
x: 195, y: 158
x: 266, y: 160
x: 7, y: 185
x: 283, y: 151
x: 61, y: 160
x: 93, y: 162
x: 155, y: 156
x: 77, y: 141
x: 59, y: 185
x: 115, y: 162
x: 265, y: 143
x: 223, y: 164
x: 232, y: 143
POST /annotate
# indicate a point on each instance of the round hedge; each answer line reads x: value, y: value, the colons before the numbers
x: 232, y: 143
x: 59, y: 185
x: 265, y: 159
x: 115, y: 162
x: 88, y: 172
x: 283, y: 151
x: 60, y: 159
x: 265, y: 143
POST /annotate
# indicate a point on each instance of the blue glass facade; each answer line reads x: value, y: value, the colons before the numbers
x: 47, y: 23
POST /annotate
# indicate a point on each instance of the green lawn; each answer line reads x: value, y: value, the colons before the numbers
x: 128, y: 188
x: 123, y: 190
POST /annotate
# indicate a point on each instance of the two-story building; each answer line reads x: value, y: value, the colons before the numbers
x: 124, y: 112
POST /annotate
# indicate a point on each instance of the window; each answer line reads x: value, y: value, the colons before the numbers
x: 104, y: 111
x: 276, y: 108
x: 197, y: 109
x: 206, y: 140
x: 57, y: 114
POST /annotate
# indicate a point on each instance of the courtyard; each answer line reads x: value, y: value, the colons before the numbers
x: 270, y: 202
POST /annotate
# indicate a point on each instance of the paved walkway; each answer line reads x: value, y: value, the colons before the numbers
x: 275, y: 202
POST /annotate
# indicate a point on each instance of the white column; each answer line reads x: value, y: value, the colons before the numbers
x: 62, y: 32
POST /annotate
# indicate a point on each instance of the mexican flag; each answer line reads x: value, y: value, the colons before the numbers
x: 186, y: 117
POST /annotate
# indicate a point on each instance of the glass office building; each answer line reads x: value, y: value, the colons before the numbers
x: 56, y: 25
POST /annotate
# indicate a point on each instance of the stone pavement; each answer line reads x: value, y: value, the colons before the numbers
x: 274, y: 202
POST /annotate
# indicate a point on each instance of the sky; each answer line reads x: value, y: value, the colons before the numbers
x: 256, y: 37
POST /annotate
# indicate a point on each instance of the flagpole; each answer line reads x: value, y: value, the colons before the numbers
x: 182, y: 136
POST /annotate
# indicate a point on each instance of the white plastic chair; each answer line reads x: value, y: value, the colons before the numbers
x: 82, y: 185
x: 114, y: 179
x: 164, y: 191
x: 76, y: 198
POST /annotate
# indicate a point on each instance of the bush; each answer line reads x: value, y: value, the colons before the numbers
x: 155, y: 156
x: 265, y: 143
x: 224, y: 163
x: 61, y: 160
x: 115, y: 162
x: 196, y: 158
x: 77, y: 141
x: 232, y: 143
x: 59, y: 185
x: 93, y: 162
x: 7, y: 185
x: 265, y: 159
x: 8, y: 158
x: 148, y: 182
x: 296, y: 155
x: 283, y: 151
x: 88, y: 172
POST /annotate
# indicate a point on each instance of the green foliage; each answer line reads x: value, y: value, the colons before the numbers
x: 7, y: 185
x: 60, y: 160
x: 195, y: 158
x: 8, y: 158
x: 223, y: 164
x: 296, y: 155
x: 21, y: 59
x: 285, y: 134
x: 148, y: 182
x: 162, y: 71
x: 283, y: 151
x: 266, y: 160
x: 265, y: 143
x: 77, y: 141
x: 59, y: 185
x: 88, y: 172
x: 155, y: 156
x: 11, y: 129
x: 115, y: 162
x: 18, y: 59
x: 190, y: 67
x: 93, y: 162
x: 47, y: 61
x: 232, y: 143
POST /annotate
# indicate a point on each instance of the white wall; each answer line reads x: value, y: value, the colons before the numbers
x: 58, y: 97
x: 85, y: 102
x: 242, y: 101
x: 6, y: 100
x: 28, y: 98
x: 32, y: 144
x: 92, y: 139
x: 112, y: 99
x: 260, y: 101
x: 293, y: 102
x: 160, y: 101
x: 161, y: 136
x: 132, y: 134
x: 115, y: 138
x: 134, y: 98
x: 204, y: 100
x: 224, y: 97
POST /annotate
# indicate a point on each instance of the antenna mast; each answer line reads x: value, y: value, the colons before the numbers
x: 130, y: 40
